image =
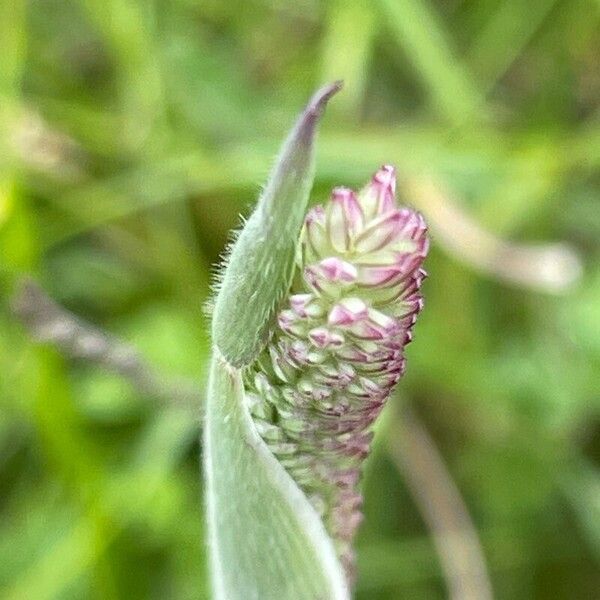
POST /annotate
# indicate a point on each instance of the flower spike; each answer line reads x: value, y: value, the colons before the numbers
x: 338, y: 348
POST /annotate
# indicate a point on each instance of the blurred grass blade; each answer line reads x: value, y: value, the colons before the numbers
x: 12, y: 43
x: 266, y: 540
x: 504, y: 37
x: 552, y: 268
x: 417, y: 29
x: 347, y: 49
x: 261, y: 263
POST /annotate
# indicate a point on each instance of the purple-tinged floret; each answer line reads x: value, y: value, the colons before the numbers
x: 337, y: 349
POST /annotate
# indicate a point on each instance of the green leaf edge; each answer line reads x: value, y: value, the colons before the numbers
x: 325, y: 579
x: 260, y: 266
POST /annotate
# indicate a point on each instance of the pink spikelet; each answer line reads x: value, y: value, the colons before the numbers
x: 337, y: 350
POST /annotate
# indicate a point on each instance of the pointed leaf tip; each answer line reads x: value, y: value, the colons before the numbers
x: 316, y: 105
x: 322, y: 96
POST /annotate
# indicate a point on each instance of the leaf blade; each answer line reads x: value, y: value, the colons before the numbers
x: 266, y: 541
x: 261, y: 262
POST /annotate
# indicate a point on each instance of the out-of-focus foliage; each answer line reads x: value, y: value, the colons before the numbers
x: 133, y: 133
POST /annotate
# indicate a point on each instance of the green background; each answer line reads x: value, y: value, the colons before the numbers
x: 132, y: 136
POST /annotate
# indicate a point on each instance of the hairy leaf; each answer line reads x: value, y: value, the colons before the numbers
x: 260, y: 265
x: 266, y: 540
